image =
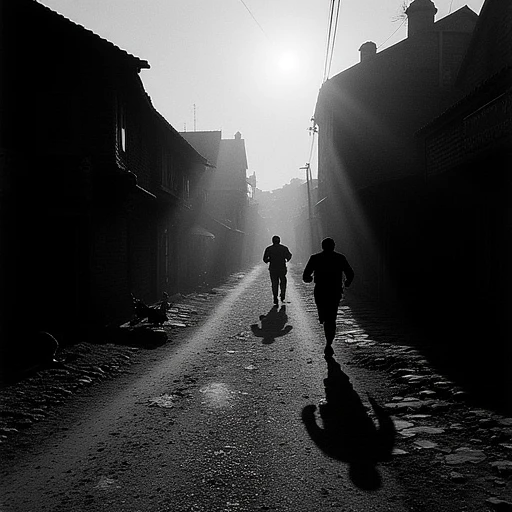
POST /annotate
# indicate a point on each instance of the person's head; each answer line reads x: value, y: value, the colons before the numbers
x: 276, y: 239
x: 328, y: 244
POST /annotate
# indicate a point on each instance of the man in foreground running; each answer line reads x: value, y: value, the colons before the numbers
x: 332, y: 273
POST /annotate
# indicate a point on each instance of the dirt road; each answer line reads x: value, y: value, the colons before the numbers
x: 213, y: 423
x: 235, y: 415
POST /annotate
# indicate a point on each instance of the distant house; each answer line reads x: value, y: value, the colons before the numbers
x: 370, y: 172
x: 225, y: 211
x: 96, y: 189
x: 228, y: 189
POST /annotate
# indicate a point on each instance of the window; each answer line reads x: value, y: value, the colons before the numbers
x: 121, y: 126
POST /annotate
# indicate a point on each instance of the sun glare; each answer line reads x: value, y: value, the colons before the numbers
x: 287, y: 62
x: 280, y: 69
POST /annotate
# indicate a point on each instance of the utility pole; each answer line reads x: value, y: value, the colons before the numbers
x: 307, y: 168
x: 313, y: 130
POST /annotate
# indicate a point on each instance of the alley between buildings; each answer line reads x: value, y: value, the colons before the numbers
x: 234, y: 414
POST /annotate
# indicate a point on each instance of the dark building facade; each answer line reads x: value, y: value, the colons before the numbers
x: 414, y: 180
x: 97, y: 190
x: 468, y: 158
x: 370, y: 177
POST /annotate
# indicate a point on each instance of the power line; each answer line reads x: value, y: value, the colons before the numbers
x: 254, y: 18
x: 331, y: 38
x: 329, y: 30
x: 401, y: 25
x: 334, y: 36
x: 313, y: 129
x: 335, y: 7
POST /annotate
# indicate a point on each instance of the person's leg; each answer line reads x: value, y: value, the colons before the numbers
x: 274, y: 279
x: 330, y: 325
x: 283, y: 286
x: 319, y: 305
x: 329, y: 330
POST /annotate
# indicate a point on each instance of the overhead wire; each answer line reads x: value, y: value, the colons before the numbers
x: 331, y: 40
x: 328, y: 42
x: 334, y: 14
x: 335, y: 7
x: 255, y: 20
x: 400, y: 26
x: 331, y: 37
x: 334, y: 37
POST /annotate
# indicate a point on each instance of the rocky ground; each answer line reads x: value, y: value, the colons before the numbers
x: 445, y: 446
x: 39, y: 394
x: 468, y: 447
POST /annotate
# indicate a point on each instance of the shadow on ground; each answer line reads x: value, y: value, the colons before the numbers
x: 348, y: 433
x: 464, y: 342
x: 273, y: 325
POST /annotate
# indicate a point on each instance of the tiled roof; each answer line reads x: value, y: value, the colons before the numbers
x: 448, y: 23
x: 232, y: 155
x: 197, y: 155
x: 95, y: 39
x: 206, y: 143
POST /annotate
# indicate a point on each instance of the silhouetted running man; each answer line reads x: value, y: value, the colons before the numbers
x: 277, y: 255
x: 331, y: 272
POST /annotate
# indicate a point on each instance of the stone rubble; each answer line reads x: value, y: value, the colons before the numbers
x: 423, y: 405
x: 35, y: 397
x: 431, y: 414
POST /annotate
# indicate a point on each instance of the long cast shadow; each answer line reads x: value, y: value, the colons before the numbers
x: 348, y: 433
x: 464, y: 341
x: 273, y: 325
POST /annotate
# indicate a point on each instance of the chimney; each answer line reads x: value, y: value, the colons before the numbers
x: 238, y: 135
x: 368, y: 50
x: 420, y: 14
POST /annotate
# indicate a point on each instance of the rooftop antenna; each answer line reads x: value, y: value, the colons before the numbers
x: 194, y: 117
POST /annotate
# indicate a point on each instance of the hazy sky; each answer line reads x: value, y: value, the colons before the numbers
x: 258, y: 77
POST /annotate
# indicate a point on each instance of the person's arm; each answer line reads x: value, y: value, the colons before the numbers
x: 266, y: 256
x: 349, y: 274
x: 288, y: 254
x: 307, y: 275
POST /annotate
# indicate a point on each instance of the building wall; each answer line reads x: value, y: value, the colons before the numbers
x: 83, y: 202
x: 491, y: 48
x: 381, y: 103
x: 109, y: 267
x: 485, y: 125
x: 371, y: 164
x: 468, y: 159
